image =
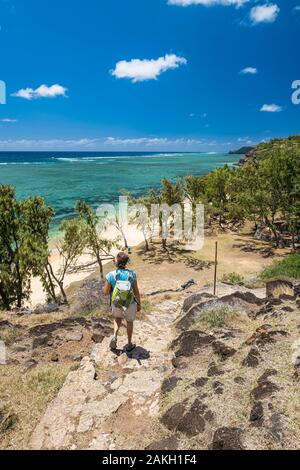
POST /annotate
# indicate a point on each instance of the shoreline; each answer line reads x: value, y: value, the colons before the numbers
x: 38, y: 296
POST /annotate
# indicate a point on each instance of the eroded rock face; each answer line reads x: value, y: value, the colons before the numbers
x: 191, y: 341
x: 280, y: 287
x: 222, y: 350
x: 7, y: 420
x: 191, y: 424
x: 214, y: 370
x: 169, y: 384
x: 195, y: 299
x: 257, y: 414
x: 218, y: 388
x: 265, y: 376
x: 253, y: 358
x: 190, y: 421
x: 265, y: 389
x: 227, y: 439
x: 200, y: 382
x: 173, y: 416
x: 276, y: 427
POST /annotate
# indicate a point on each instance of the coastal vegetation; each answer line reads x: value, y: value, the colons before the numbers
x: 264, y: 189
x: 289, y: 267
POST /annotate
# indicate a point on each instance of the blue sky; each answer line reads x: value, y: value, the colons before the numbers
x: 147, y: 74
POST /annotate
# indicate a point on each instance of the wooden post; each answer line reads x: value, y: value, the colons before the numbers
x: 216, y: 269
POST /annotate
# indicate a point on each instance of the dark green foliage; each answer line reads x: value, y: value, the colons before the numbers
x: 24, y: 227
x: 289, y: 267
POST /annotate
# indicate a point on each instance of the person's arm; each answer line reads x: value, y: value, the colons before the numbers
x: 137, y: 295
x: 106, y: 288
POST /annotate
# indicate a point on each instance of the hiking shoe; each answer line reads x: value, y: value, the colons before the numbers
x: 129, y: 347
x: 113, y: 343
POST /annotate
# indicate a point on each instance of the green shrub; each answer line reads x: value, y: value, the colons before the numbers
x: 217, y: 316
x: 289, y: 267
x: 233, y: 278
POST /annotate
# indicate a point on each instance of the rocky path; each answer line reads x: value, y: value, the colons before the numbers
x: 112, y: 400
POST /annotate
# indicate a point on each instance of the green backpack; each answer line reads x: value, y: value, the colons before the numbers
x: 122, y: 295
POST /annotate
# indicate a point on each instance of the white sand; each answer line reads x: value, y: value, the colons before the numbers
x: 134, y: 238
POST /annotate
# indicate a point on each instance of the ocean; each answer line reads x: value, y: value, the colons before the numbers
x: 64, y: 177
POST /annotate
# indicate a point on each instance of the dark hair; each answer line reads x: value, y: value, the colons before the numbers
x: 122, y: 260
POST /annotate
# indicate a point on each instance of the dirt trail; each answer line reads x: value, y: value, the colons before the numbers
x: 111, y: 400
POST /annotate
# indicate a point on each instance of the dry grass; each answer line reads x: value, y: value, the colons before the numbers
x: 11, y: 335
x: 27, y: 396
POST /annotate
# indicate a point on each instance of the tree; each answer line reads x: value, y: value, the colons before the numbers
x: 70, y: 247
x: 170, y: 199
x: 140, y: 215
x: 24, y: 227
x: 215, y: 189
x: 194, y: 189
x: 99, y: 246
x: 268, y: 189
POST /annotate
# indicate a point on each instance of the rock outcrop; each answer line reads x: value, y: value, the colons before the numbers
x: 224, y: 384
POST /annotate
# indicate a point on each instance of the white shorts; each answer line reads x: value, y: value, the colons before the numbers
x: 128, y: 315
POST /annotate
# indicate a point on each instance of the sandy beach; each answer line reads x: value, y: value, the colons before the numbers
x: 231, y: 259
x: 38, y: 296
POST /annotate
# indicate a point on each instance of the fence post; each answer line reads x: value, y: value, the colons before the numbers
x: 216, y: 268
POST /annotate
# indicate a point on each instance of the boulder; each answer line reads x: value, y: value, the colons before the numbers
x: 190, y: 342
x: 187, y: 421
x: 173, y: 416
x: 41, y: 341
x: 200, y: 382
x: 29, y: 365
x: 257, y: 414
x: 7, y: 420
x: 223, y: 351
x: 214, y: 370
x: 276, y: 288
x: 252, y: 359
x: 97, y: 337
x: 218, y: 388
x: 74, y: 336
x: 264, y: 389
x: 48, y: 308
x: 195, y: 299
x: 169, y: 384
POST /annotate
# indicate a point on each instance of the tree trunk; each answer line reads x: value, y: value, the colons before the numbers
x: 63, y: 293
x: 5, y: 299
x: 49, y: 285
x: 99, y: 260
x: 164, y: 243
x: 293, y: 240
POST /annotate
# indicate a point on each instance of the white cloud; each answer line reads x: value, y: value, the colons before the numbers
x: 271, y: 108
x: 138, y: 70
x: 249, y: 70
x: 245, y: 140
x: 35, y: 144
x: 266, y: 13
x: 7, y: 120
x: 42, y: 91
x: 152, y: 141
x: 186, y: 3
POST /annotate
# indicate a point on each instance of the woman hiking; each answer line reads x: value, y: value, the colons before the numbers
x: 122, y: 285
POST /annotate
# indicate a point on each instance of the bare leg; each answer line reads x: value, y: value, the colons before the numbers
x: 117, y: 326
x: 129, y: 331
